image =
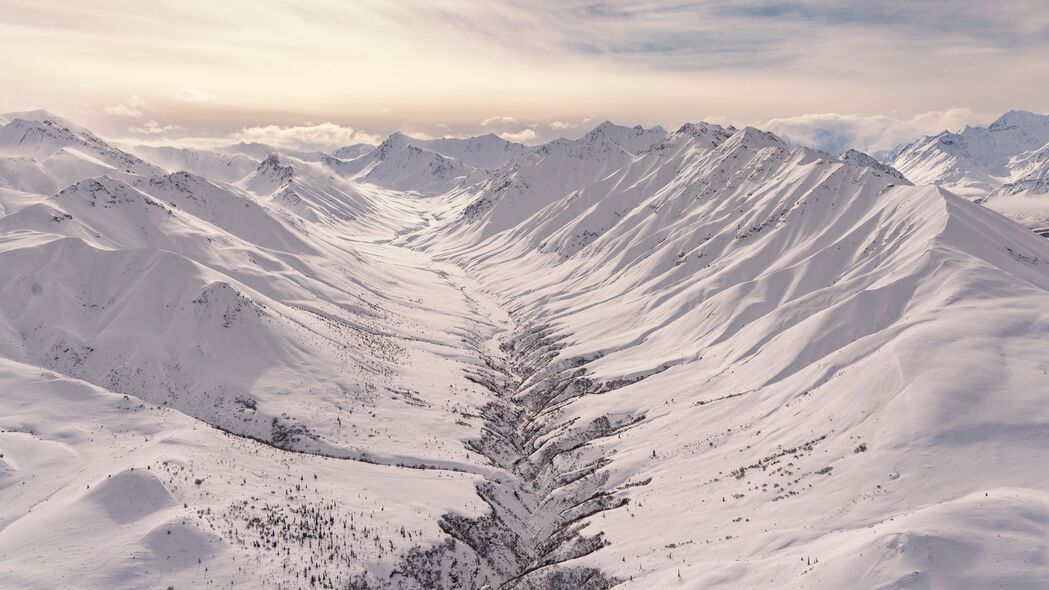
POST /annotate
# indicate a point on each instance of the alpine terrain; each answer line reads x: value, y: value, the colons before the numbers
x: 1004, y: 165
x: 644, y: 358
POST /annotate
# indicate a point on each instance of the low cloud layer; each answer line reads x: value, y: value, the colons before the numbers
x: 522, y: 136
x: 498, y: 120
x: 873, y: 134
x: 192, y: 95
x: 830, y: 132
x: 153, y: 128
x: 133, y: 108
x: 323, y: 136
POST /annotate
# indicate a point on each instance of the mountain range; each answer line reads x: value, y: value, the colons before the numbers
x: 1005, y: 165
x: 643, y: 358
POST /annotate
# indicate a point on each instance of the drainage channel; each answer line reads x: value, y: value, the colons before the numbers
x: 549, y: 480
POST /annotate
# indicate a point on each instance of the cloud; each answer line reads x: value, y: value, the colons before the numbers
x: 133, y: 108
x: 522, y: 136
x: 463, y: 62
x: 151, y: 127
x: 498, y: 120
x: 192, y: 95
x: 560, y: 125
x: 836, y: 133
x: 323, y: 136
x: 424, y: 135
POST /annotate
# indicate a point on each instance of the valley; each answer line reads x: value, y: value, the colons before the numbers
x: 641, y: 358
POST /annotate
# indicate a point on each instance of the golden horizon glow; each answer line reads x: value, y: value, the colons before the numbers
x: 197, y: 69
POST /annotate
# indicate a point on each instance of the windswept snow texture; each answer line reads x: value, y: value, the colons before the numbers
x: 698, y: 358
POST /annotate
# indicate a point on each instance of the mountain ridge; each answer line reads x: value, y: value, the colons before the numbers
x: 637, y: 359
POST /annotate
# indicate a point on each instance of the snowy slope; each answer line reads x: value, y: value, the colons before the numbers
x: 224, y: 207
x: 745, y: 309
x: 1025, y: 198
x: 214, y: 165
x: 309, y: 190
x: 977, y: 160
x: 40, y: 153
x: 259, y: 151
x: 349, y: 152
x: 484, y: 151
x: 699, y: 358
x: 102, y: 490
x: 43, y: 135
x: 199, y: 296
x: 1005, y: 165
x: 412, y: 168
x: 571, y: 171
x: 399, y: 163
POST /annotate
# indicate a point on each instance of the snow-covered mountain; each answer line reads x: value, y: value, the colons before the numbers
x: 1004, y: 165
x: 349, y: 152
x: 259, y: 151
x: 401, y: 165
x: 408, y: 164
x: 311, y: 191
x: 978, y: 160
x: 642, y: 359
x: 40, y: 152
x: 555, y: 171
x: 214, y: 165
x: 485, y: 151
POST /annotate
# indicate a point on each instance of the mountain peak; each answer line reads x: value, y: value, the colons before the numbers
x: 703, y: 128
x: 102, y: 183
x: 1017, y: 118
x: 862, y: 159
x: 105, y: 192
x: 631, y: 139
x: 609, y: 129
x: 754, y: 138
x: 181, y: 180
x: 276, y: 166
x: 40, y: 116
x: 396, y: 141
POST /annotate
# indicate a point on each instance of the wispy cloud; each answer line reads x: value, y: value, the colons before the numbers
x: 323, y: 136
x: 385, y: 64
x: 522, y: 136
x: 133, y: 108
x: 193, y: 95
x: 153, y: 128
x: 498, y: 120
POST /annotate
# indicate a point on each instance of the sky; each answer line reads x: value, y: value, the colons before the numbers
x: 332, y: 72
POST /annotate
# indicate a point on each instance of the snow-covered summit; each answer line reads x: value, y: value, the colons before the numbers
x: 976, y: 160
x: 632, y: 139
x: 216, y: 165
x: 41, y: 115
x: 487, y: 151
x: 105, y: 192
x: 862, y: 159
x: 41, y: 139
x: 1027, y: 121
